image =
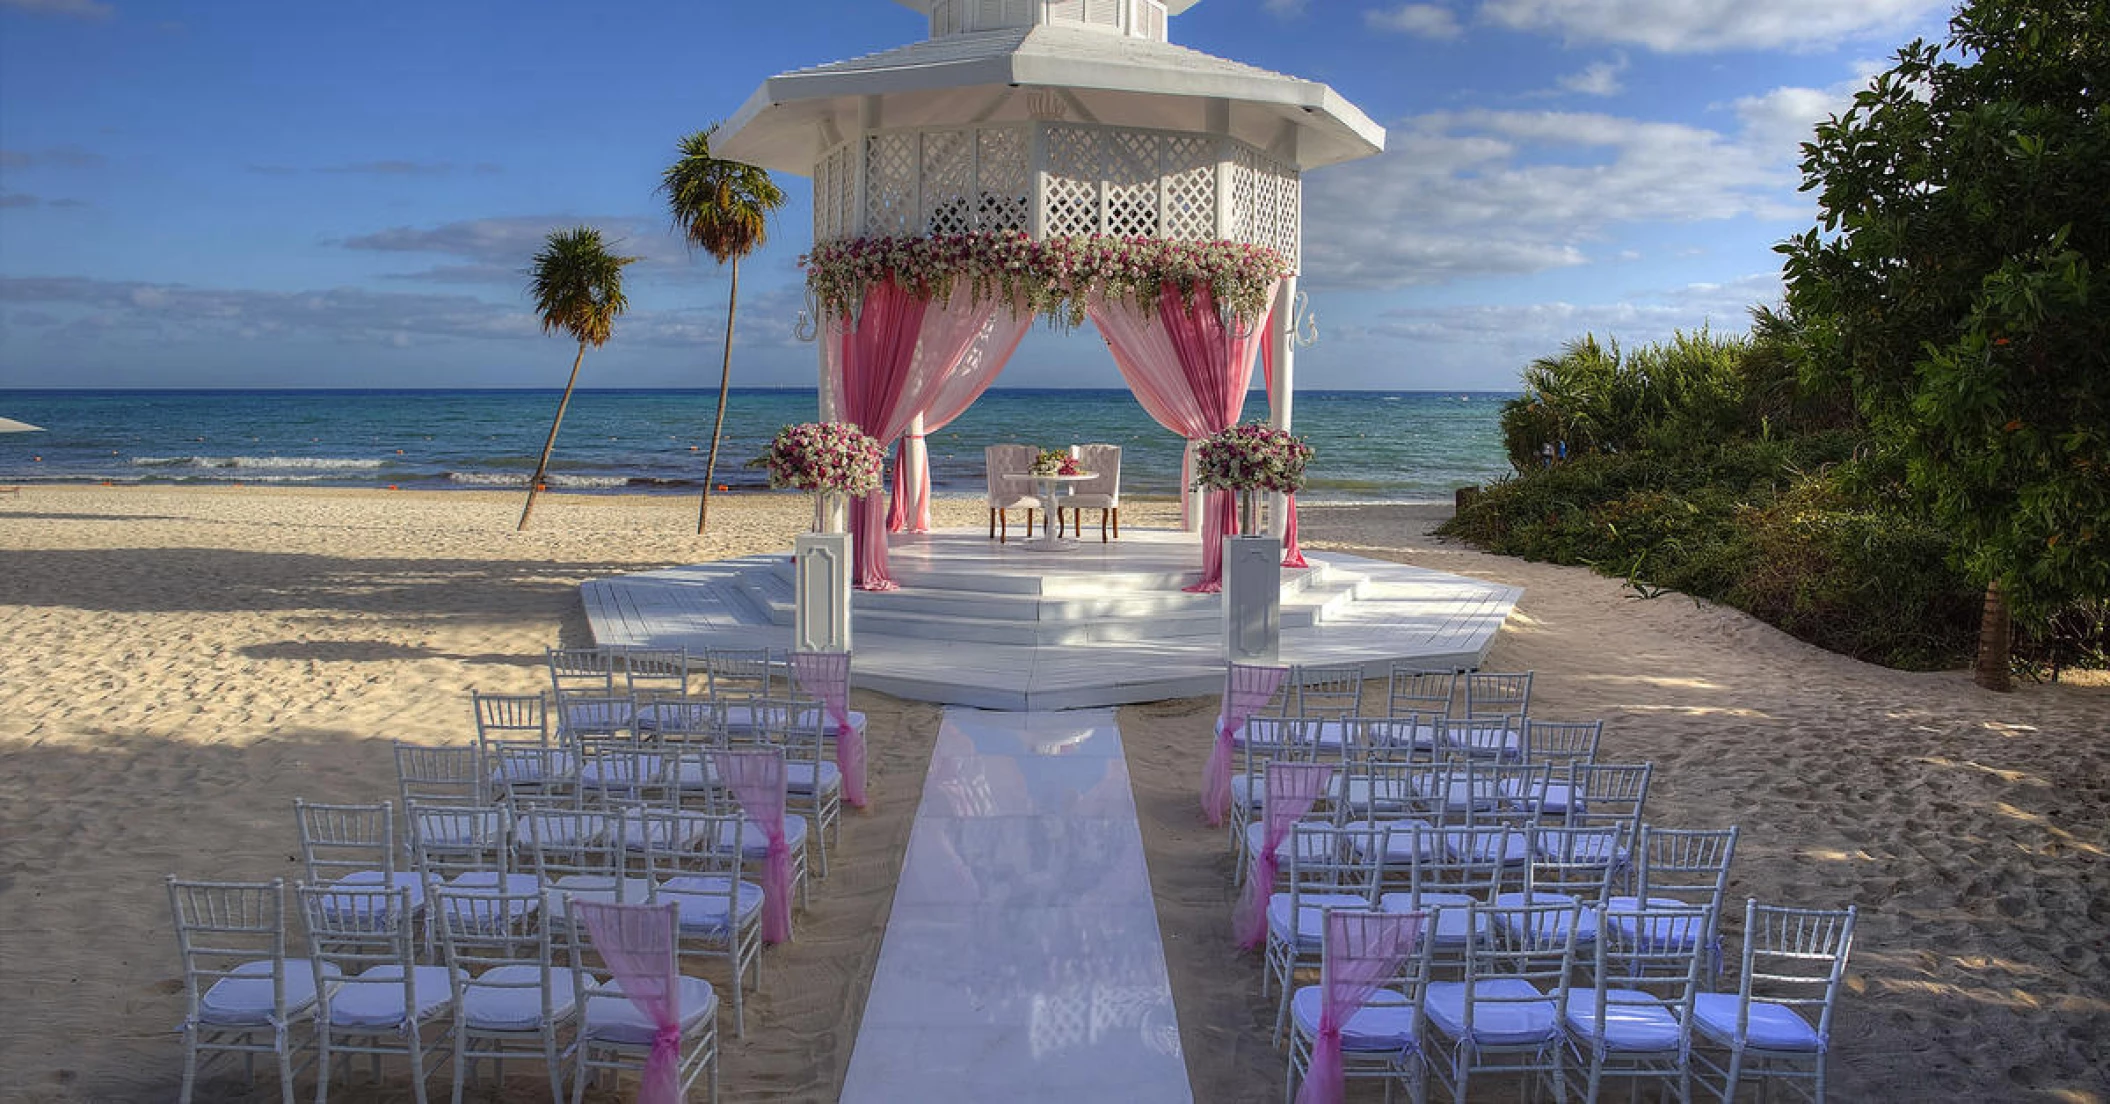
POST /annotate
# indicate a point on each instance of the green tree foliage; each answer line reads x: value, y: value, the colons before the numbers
x: 577, y: 286
x: 1954, y: 284
x: 724, y: 207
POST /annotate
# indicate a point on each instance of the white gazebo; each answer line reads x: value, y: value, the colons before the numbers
x: 1055, y: 119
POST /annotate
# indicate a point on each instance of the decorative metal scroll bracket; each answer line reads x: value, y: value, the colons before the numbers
x: 807, y: 327
x: 1303, y: 322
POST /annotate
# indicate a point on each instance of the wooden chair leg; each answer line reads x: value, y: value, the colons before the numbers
x: 1029, y: 523
x: 992, y: 523
x: 1102, y: 526
x: 1004, y: 534
x: 1117, y: 523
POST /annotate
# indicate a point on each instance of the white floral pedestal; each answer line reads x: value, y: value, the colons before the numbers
x: 821, y: 572
x: 1252, y: 599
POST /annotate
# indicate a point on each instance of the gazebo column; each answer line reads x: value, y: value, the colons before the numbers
x: 1283, y: 348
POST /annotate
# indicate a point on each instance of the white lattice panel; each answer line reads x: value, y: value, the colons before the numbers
x: 1187, y: 166
x: 1131, y: 179
x: 1004, y: 179
x: 1277, y: 195
x: 948, y: 182
x: 890, y: 185
x: 1073, y: 171
x: 835, y: 195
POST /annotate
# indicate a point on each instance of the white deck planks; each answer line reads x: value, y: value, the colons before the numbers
x: 1391, y: 612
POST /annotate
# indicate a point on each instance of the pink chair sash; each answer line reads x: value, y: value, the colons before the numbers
x: 757, y: 781
x: 826, y: 675
x: 1246, y: 689
x: 1292, y: 789
x: 1362, y: 950
x: 637, y: 944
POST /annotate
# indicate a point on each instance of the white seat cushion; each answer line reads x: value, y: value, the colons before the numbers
x: 798, y: 777
x: 1664, y: 932
x: 406, y: 879
x: 1551, y: 799
x: 619, y: 1022
x: 1481, y: 849
x: 593, y: 716
x: 246, y: 998
x: 597, y: 888
x: 1772, y: 1027
x: 1451, y: 930
x: 1635, y: 1022
x: 1554, y: 925
x: 1390, y: 792
x: 753, y: 843
x: 526, y: 769
x: 1401, y: 844
x: 1311, y: 910
x: 1385, y: 1022
x: 1312, y: 846
x: 702, y: 901
x: 488, y: 881
x: 1245, y: 792
x: 1506, y: 1012
x: 375, y: 997
x: 517, y: 1006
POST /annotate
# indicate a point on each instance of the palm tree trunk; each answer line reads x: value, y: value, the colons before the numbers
x: 1994, y: 639
x: 725, y: 383
x: 535, y: 484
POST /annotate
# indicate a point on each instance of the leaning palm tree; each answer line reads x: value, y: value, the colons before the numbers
x: 577, y: 286
x: 724, y: 207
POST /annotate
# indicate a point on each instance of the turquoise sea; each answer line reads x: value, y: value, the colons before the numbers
x: 1371, y: 445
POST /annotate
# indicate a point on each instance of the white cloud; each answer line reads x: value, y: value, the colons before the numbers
x: 1782, y: 119
x: 1285, y: 8
x: 497, y: 250
x: 1480, y: 193
x: 1421, y: 20
x: 1597, y: 79
x: 1702, y: 26
x: 1485, y: 342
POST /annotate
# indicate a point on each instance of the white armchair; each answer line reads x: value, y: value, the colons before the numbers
x: 1101, y: 492
x: 1009, y: 494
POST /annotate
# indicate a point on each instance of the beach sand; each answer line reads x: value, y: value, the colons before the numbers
x: 180, y: 664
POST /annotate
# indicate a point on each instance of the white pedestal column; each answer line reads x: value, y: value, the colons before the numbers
x: 1252, y: 599
x: 821, y: 611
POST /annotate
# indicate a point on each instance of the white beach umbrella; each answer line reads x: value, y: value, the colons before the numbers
x: 9, y: 425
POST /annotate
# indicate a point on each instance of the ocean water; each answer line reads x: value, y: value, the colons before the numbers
x: 1371, y: 445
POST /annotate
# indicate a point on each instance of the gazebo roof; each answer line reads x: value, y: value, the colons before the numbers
x: 992, y: 76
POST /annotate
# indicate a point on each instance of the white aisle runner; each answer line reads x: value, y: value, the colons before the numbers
x: 1022, y: 960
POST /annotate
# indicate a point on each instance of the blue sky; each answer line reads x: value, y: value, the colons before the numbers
x: 238, y: 194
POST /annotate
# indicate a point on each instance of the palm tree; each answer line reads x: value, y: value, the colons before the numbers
x: 724, y: 207
x: 577, y: 286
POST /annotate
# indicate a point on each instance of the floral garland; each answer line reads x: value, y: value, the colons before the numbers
x: 1251, y: 457
x: 823, y: 456
x: 1054, y: 277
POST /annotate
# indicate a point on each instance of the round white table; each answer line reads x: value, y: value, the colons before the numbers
x: 1049, y: 486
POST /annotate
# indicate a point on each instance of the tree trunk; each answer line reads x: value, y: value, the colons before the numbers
x: 535, y: 483
x: 725, y: 383
x: 1992, y: 669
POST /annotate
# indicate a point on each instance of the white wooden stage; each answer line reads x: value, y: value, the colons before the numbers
x: 1005, y: 626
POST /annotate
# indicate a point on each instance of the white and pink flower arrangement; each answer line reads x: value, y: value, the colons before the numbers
x: 1250, y: 456
x: 1055, y: 277
x: 1056, y: 462
x: 824, y: 456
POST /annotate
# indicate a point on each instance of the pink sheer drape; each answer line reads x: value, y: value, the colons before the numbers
x: 955, y: 392
x: 888, y: 363
x: 826, y: 676
x: 637, y: 944
x: 1362, y: 951
x: 1290, y: 791
x: 1246, y: 689
x: 1292, y: 555
x: 1189, y: 368
x: 757, y: 781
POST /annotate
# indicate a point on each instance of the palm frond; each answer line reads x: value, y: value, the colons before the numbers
x: 577, y: 285
x: 722, y: 206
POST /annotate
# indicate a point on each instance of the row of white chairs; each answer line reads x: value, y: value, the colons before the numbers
x: 1532, y: 1000
x: 514, y: 983
x: 1337, y: 690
